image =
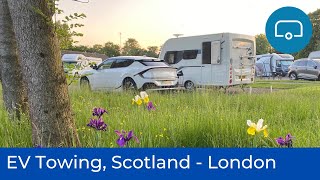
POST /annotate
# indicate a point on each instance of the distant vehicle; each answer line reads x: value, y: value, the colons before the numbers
x: 268, y: 65
x: 305, y: 69
x: 223, y: 59
x: 314, y: 55
x: 129, y: 72
x: 73, y: 63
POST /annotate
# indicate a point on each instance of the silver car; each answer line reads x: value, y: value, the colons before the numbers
x: 305, y: 69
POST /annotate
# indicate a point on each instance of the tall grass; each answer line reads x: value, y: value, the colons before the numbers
x: 188, y: 119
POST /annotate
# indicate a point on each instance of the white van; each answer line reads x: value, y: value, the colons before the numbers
x: 224, y: 59
x: 75, y: 62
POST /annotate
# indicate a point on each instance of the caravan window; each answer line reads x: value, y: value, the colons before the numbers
x: 173, y: 57
x: 190, y: 54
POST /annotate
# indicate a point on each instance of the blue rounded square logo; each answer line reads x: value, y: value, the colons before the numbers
x: 289, y: 30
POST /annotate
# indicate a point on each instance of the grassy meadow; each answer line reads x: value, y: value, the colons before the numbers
x: 206, y: 118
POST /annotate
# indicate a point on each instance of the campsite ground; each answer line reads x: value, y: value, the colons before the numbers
x: 204, y: 118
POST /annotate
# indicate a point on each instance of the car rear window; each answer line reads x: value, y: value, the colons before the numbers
x: 154, y: 63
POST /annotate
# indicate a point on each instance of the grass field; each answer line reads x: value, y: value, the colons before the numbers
x: 284, y: 84
x: 191, y: 119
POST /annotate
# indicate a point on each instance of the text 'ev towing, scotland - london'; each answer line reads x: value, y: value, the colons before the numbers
x: 148, y: 163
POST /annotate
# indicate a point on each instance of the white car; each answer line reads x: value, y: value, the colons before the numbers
x: 129, y: 72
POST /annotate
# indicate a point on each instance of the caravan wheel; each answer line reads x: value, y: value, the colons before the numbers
x: 189, y: 85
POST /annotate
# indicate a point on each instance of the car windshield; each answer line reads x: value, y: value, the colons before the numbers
x: 286, y: 63
x: 154, y: 63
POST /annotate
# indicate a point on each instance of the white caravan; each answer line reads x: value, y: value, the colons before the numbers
x: 72, y: 63
x: 314, y: 55
x: 223, y: 60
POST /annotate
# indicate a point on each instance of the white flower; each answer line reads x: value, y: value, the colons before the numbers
x: 143, y: 94
x: 136, y: 98
x: 253, y: 127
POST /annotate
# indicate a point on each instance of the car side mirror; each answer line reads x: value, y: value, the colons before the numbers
x: 315, y: 67
x: 94, y: 67
x: 180, y: 73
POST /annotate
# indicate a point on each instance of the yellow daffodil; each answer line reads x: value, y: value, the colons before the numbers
x: 256, y: 128
x: 137, y: 100
x: 144, y: 96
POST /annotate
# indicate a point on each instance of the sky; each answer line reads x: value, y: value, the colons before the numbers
x: 152, y: 22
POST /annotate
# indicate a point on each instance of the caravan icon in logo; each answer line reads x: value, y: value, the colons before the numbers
x: 288, y: 35
x: 289, y: 30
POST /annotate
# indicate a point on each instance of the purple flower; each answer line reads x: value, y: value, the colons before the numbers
x: 150, y: 106
x: 280, y: 141
x: 287, y: 141
x: 124, y: 138
x: 98, y: 112
x: 97, y: 124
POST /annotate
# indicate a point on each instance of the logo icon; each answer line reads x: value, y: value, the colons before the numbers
x: 288, y: 30
x: 288, y: 35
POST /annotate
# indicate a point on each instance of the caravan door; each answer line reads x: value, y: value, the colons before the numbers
x: 211, y: 55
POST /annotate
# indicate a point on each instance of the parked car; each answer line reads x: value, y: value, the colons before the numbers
x: 305, y: 69
x: 129, y: 72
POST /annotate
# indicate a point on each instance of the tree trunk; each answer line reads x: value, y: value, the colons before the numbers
x: 49, y: 102
x: 13, y: 89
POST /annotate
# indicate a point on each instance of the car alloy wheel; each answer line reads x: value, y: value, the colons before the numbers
x: 293, y: 76
x: 129, y: 84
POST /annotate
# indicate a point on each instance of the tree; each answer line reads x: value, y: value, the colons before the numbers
x: 314, y: 43
x: 13, y: 89
x: 50, y: 110
x: 64, y: 35
x: 110, y: 49
x: 65, y: 30
x: 262, y: 43
x: 80, y: 48
x: 152, y: 51
x: 132, y: 48
x: 97, y: 48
